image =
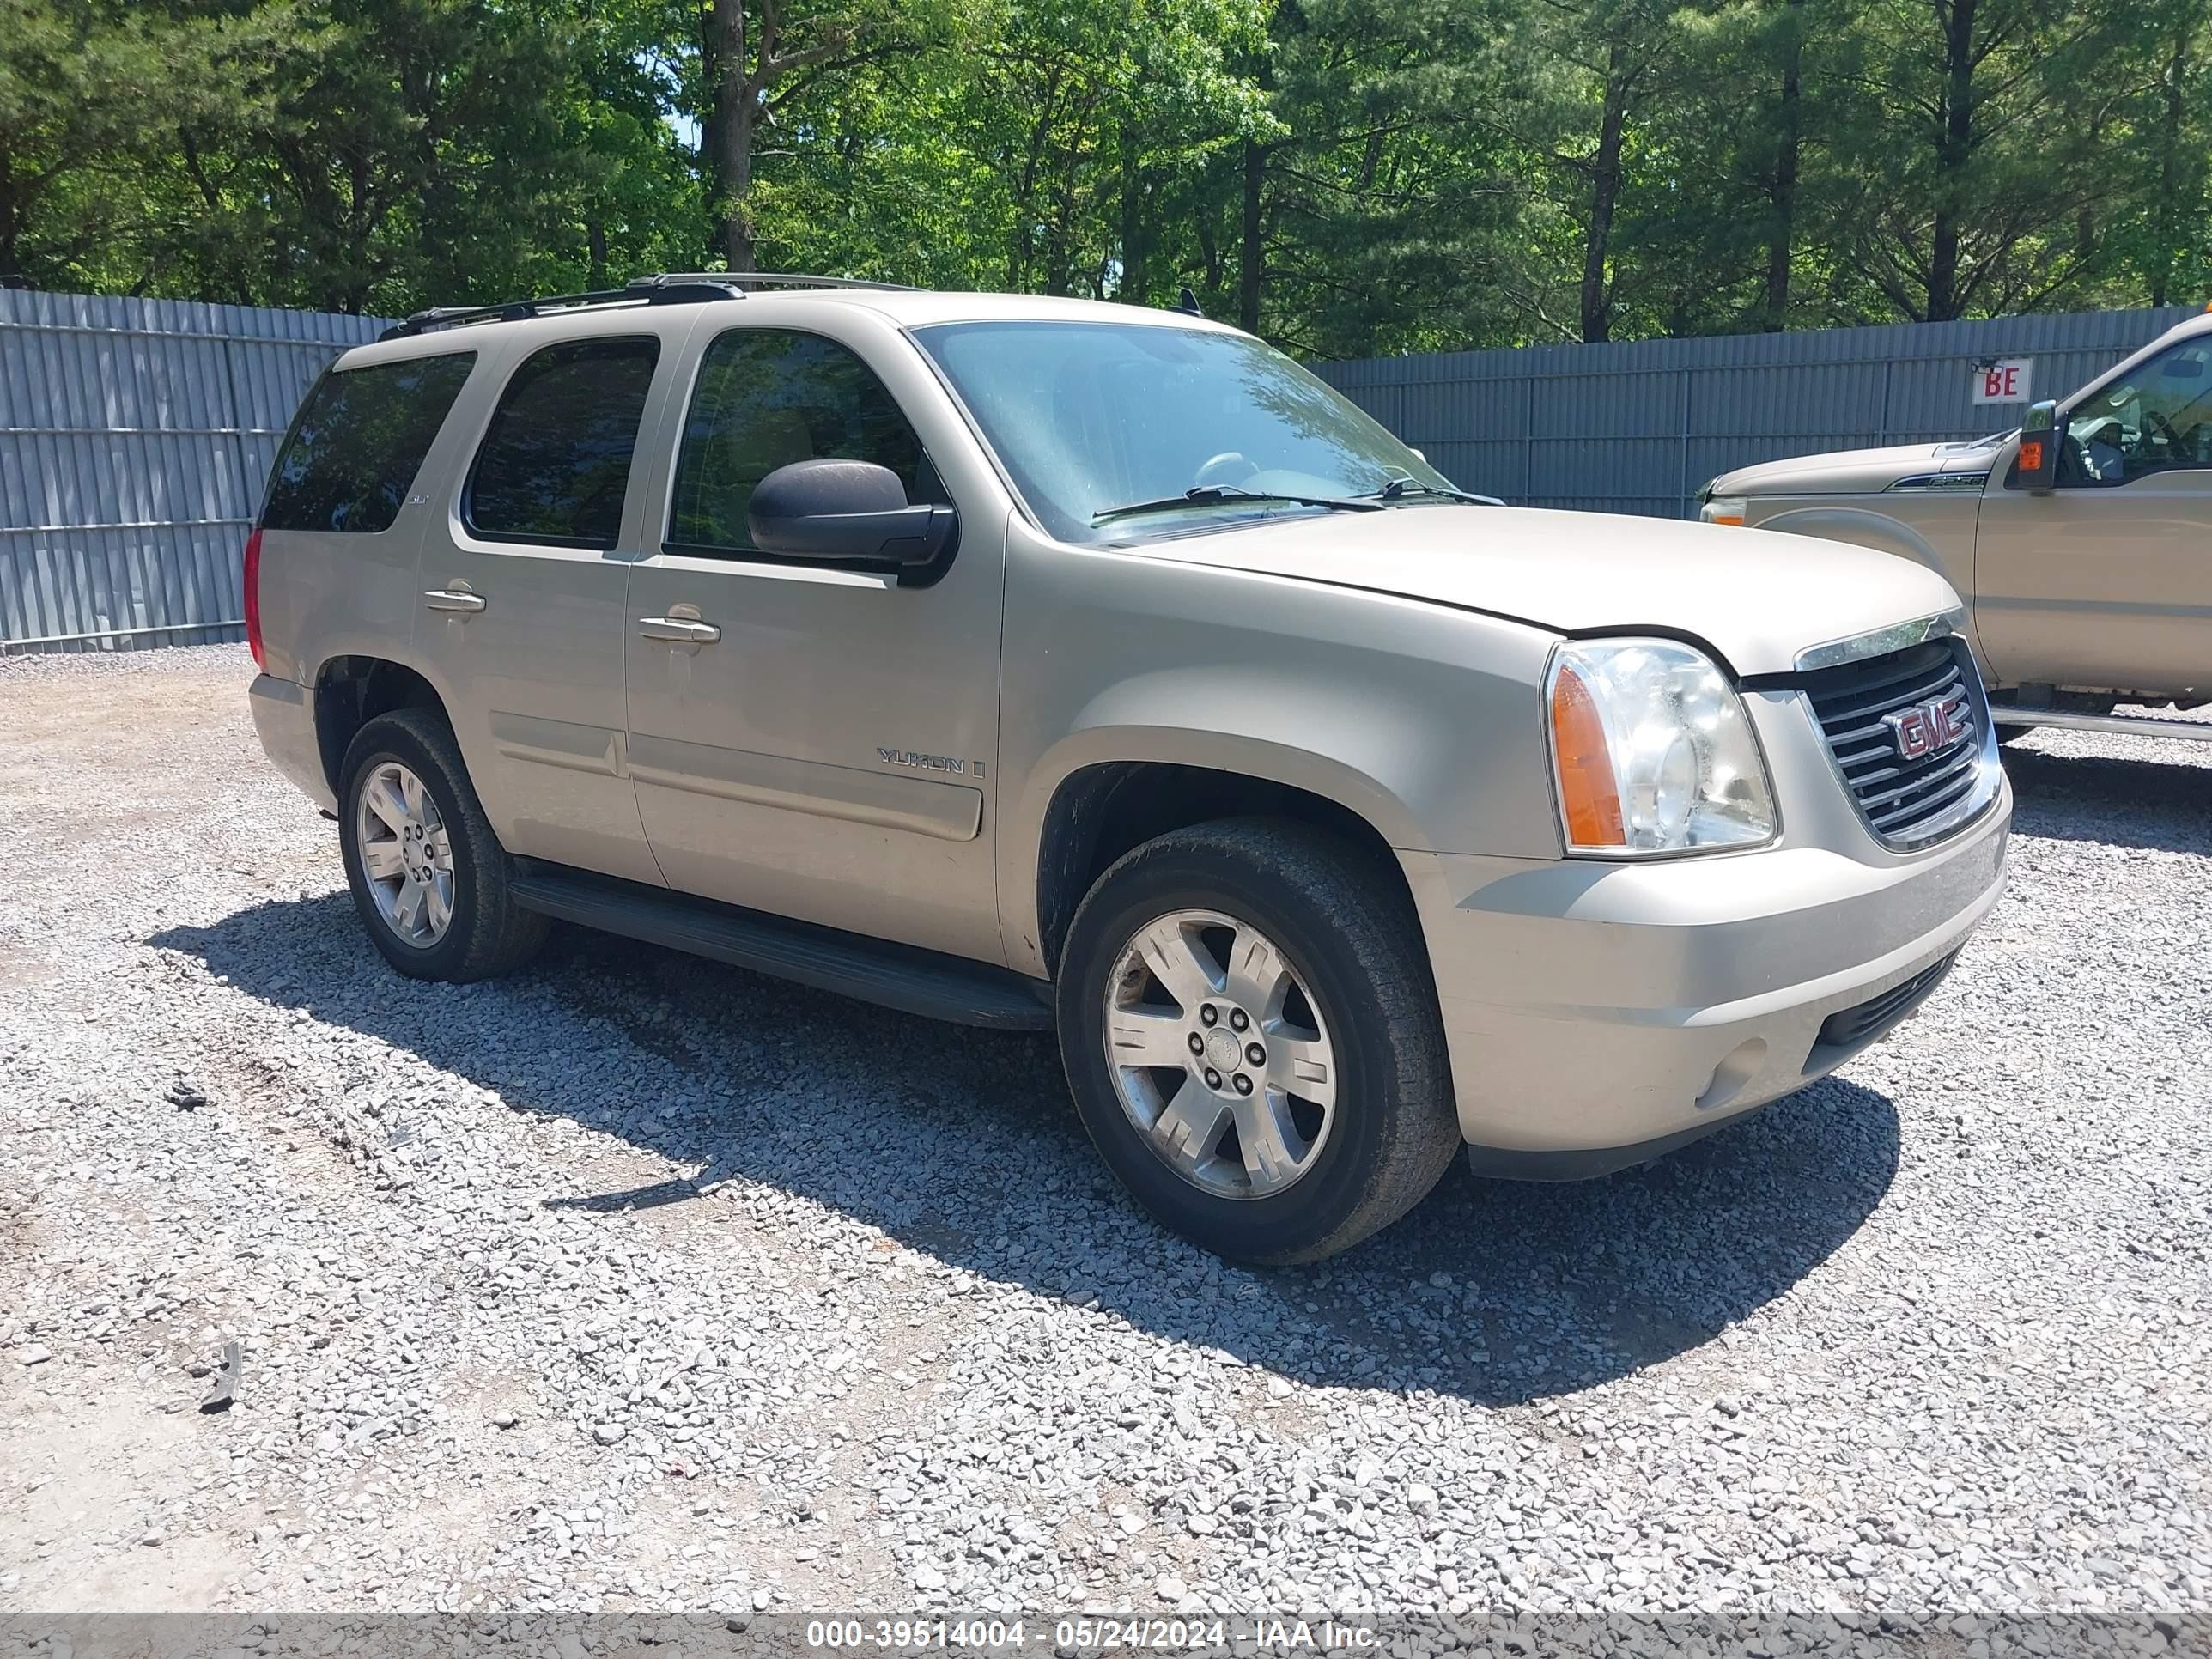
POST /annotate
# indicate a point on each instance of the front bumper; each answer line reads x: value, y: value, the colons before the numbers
x: 1598, y: 1014
x: 284, y: 718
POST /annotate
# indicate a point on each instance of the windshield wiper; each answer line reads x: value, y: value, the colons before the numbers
x: 1207, y: 495
x: 1399, y: 489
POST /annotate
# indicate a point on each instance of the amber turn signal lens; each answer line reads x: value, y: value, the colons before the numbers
x: 2031, y: 455
x: 1588, y: 793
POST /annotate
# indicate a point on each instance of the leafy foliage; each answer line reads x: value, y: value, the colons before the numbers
x: 1347, y: 176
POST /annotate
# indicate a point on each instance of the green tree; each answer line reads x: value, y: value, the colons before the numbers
x: 769, y: 63
x: 77, y: 84
x: 1970, y: 137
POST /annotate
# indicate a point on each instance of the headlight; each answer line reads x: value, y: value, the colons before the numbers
x: 1652, y: 751
x: 1722, y: 509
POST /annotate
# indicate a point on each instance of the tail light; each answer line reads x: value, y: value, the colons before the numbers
x: 253, y: 597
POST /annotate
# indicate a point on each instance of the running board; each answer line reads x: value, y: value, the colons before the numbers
x: 2133, y: 725
x: 900, y: 976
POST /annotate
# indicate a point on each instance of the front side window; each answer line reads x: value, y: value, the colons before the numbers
x: 766, y: 398
x: 555, y: 462
x: 1089, y: 417
x: 2159, y: 419
x: 357, y: 442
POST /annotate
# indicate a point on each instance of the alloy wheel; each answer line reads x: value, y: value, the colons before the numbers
x: 406, y: 854
x: 1219, y: 1053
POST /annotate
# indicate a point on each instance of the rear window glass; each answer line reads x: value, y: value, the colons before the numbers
x: 357, y: 442
x: 555, y: 463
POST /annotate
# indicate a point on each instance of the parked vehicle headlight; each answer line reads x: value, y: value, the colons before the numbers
x: 1652, y: 751
x: 1722, y: 509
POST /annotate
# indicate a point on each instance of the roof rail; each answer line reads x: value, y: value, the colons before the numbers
x: 668, y: 288
x: 782, y: 279
x: 644, y: 290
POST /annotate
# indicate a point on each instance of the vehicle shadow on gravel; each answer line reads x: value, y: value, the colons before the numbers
x: 2158, y: 805
x: 964, y: 1145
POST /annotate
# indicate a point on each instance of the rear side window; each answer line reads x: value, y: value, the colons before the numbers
x: 357, y: 442
x: 555, y: 463
x: 768, y: 397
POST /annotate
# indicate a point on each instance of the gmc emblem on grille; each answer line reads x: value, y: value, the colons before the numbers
x: 1927, y: 726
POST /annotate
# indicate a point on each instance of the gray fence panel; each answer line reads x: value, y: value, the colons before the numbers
x: 135, y: 434
x: 1638, y: 426
x: 135, y: 437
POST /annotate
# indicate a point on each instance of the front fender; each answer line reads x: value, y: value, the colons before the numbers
x: 1424, y: 721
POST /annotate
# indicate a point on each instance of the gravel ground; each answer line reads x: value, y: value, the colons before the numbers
x: 637, y: 1283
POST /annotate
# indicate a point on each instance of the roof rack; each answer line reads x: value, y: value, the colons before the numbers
x: 781, y: 279
x: 668, y: 288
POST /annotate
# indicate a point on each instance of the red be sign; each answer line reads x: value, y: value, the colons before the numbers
x: 2003, y: 381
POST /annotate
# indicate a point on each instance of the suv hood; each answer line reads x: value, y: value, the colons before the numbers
x: 1855, y: 471
x: 1758, y: 596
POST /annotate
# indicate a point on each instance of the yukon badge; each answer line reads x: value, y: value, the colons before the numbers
x: 1927, y: 726
x: 928, y: 762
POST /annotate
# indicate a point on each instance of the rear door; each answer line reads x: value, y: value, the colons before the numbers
x: 524, y: 584
x: 824, y: 747
x: 2106, y: 581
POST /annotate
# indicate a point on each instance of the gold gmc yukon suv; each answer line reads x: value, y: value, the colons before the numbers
x: 2082, y: 542
x: 1043, y: 663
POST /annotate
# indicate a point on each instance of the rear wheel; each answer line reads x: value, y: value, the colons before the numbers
x: 1250, y: 1031
x: 429, y: 876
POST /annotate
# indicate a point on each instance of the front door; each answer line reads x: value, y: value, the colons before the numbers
x: 2106, y: 581
x: 523, y: 622
x: 815, y: 741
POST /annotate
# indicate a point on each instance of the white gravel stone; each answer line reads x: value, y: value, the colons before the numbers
x: 636, y: 1282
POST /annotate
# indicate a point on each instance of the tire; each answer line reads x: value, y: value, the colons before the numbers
x: 1345, y: 934
x: 485, y: 933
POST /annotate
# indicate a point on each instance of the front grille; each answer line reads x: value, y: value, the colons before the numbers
x: 1906, y: 803
x: 1877, y: 1014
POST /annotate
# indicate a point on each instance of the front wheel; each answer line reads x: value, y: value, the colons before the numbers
x: 1250, y: 1031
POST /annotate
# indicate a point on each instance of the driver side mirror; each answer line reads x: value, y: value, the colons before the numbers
x: 2036, y: 470
x: 848, y: 511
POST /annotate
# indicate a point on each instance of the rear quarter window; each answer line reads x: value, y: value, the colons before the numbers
x: 358, y: 441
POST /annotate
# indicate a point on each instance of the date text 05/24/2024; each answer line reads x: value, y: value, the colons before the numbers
x: 1092, y: 1635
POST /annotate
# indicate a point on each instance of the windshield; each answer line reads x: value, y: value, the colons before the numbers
x: 1088, y: 417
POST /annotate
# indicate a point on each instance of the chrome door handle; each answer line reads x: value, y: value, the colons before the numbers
x: 678, y: 629
x: 447, y: 598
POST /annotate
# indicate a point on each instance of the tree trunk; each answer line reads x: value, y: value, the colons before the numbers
x: 733, y: 142
x: 2167, y: 223
x: 595, y: 238
x: 1954, y: 146
x: 1605, y: 194
x: 11, y: 219
x: 1253, y: 250
x: 1134, y: 287
x: 1788, y: 139
x: 1058, y: 230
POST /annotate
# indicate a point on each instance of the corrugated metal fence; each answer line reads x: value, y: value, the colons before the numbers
x: 1639, y: 426
x: 135, y: 436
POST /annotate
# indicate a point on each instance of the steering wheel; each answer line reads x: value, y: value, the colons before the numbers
x: 1226, y: 468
